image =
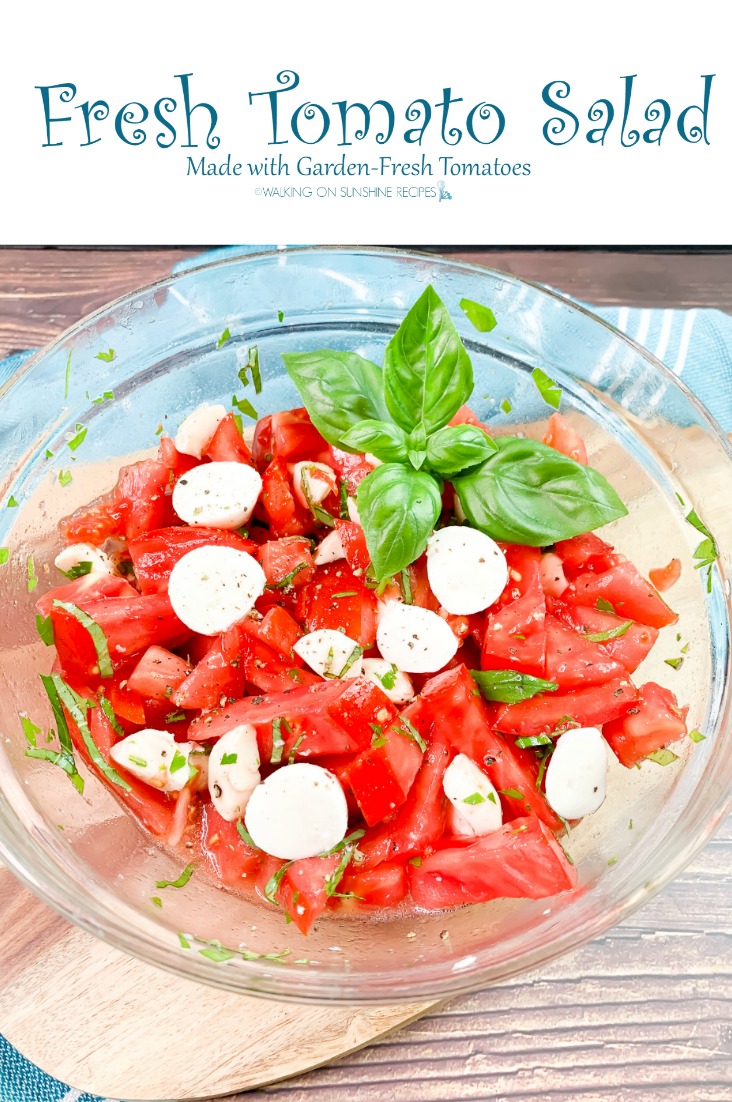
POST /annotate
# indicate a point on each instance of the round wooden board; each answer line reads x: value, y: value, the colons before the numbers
x: 108, y: 1024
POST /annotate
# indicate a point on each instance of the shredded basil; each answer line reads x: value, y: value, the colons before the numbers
x: 98, y: 637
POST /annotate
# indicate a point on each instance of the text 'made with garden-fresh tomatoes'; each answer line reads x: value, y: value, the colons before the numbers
x: 374, y: 658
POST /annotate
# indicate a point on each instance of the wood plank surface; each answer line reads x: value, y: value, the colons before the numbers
x: 643, y: 1014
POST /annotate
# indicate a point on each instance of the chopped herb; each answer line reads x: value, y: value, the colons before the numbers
x: 512, y: 793
x: 138, y: 761
x: 550, y: 391
x: 294, y: 675
x: 332, y: 882
x: 685, y: 648
x: 253, y: 365
x: 343, y: 499
x: 410, y: 732
x: 179, y: 762
x: 354, y: 836
x: 543, y: 757
x: 65, y: 477
x: 506, y: 405
x: 249, y: 954
x: 345, y: 593
x: 98, y: 637
x: 65, y: 757
x: 378, y: 737
x: 107, y: 396
x: 388, y: 679
x: 175, y: 717
x: 603, y: 606
x: 32, y: 579
x: 184, y: 942
x: 243, y: 405
x: 280, y: 316
x: 180, y: 882
x: 226, y: 759
x: 225, y: 336
x: 491, y: 797
x: 319, y: 513
x: 612, y: 860
x: 48, y: 454
x: 509, y: 686
x: 239, y: 423
x: 662, y: 757
x: 77, y: 440
x: 213, y: 952
x: 416, y: 861
x: 159, y: 430
x: 406, y: 586
x: 353, y: 657
x: 295, y: 748
x: 245, y: 835
x: 12, y: 503
x: 67, y: 376
x: 44, y: 627
x: 107, y: 357
x: 156, y: 901
x: 528, y: 742
x: 80, y: 570
x: 565, y: 824
x: 4, y: 555
x: 696, y: 736
x: 707, y: 552
x: 482, y: 317
x: 474, y: 798
x: 108, y: 710
x: 680, y: 500
x: 278, y: 743
x: 273, y: 884
x: 78, y: 707
x: 613, y: 633
x: 630, y: 824
x: 287, y: 580
x: 674, y: 663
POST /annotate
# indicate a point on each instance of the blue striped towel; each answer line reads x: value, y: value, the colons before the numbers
x: 695, y: 344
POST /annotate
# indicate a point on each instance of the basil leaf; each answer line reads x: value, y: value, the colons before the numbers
x: 550, y: 391
x: 338, y: 389
x: 509, y: 686
x: 427, y: 372
x: 399, y: 508
x: 78, y: 708
x: 530, y: 493
x: 381, y: 438
x: 457, y: 447
x: 613, y: 633
x: 481, y: 316
x: 98, y: 637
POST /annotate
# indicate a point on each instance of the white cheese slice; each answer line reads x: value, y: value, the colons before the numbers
x: 414, y: 639
x: 327, y: 652
x: 576, y: 778
x: 319, y: 479
x: 353, y: 510
x: 195, y: 431
x: 217, y: 495
x: 476, y: 805
x: 466, y: 569
x: 233, y: 771
x: 77, y: 553
x: 330, y: 549
x: 212, y: 587
x: 395, y: 684
x: 155, y: 758
x: 298, y: 811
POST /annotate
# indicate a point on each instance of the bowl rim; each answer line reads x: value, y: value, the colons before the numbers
x: 321, y: 985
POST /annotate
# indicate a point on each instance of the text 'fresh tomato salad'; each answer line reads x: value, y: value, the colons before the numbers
x: 376, y: 657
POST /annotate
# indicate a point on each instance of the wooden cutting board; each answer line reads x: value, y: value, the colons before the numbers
x: 111, y: 1025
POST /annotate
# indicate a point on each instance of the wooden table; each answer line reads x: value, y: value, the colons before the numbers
x: 643, y: 1014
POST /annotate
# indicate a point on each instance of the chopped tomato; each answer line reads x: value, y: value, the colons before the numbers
x: 266, y: 670
x: 154, y: 554
x: 321, y: 481
x: 515, y: 638
x: 219, y: 675
x: 382, y: 775
x: 354, y: 544
x: 384, y: 886
x: 563, y: 438
x: 663, y: 577
x: 650, y: 722
x: 573, y: 661
x: 285, y: 515
x: 336, y: 598
x: 97, y: 522
x: 158, y: 674
x: 359, y: 706
x: 419, y: 585
x: 585, y: 552
x: 465, y: 416
x: 177, y: 462
x: 89, y: 587
x: 627, y: 591
x: 553, y: 581
x: 281, y: 632
x: 350, y: 468
x: 127, y: 703
x: 144, y: 489
x: 227, y: 445
x: 629, y: 649
x: 304, y: 891
x: 226, y: 853
x: 290, y: 436
x: 287, y: 562
x: 522, y: 860
x: 590, y: 707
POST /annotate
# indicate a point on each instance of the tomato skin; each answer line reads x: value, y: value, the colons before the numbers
x: 127, y: 703
x: 158, y: 674
x: 628, y: 649
x: 628, y: 592
x: 281, y: 557
x: 384, y: 886
x: 224, y: 850
x: 177, y: 462
x: 589, y: 707
x: 452, y: 701
x: 319, y: 605
x: 263, y: 668
x: 418, y: 824
x: 97, y: 522
x: 563, y: 438
x: 302, y: 893
x: 585, y: 552
x: 290, y: 436
x: 381, y: 776
x: 422, y: 595
x: 144, y: 489
x: 663, y: 577
x: 227, y: 445
x: 279, y: 631
x: 360, y: 704
x: 284, y: 515
x: 351, y: 468
x: 154, y: 554
x: 354, y: 544
x: 522, y: 860
x: 572, y: 661
x: 520, y: 610
x: 219, y: 674
x: 649, y: 723
x: 465, y: 416
x: 553, y: 581
x: 80, y: 591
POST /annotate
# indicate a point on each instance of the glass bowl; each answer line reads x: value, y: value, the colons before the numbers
x: 87, y: 858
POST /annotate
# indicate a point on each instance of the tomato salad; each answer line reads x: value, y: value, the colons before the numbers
x: 378, y: 657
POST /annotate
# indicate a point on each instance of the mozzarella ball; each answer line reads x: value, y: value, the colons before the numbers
x: 327, y: 652
x: 217, y: 495
x: 466, y: 569
x: 576, y: 777
x: 298, y: 811
x: 155, y: 758
x: 476, y: 805
x: 196, y: 430
x: 414, y: 639
x: 330, y: 549
x: 233, y: 771
x: 395, y: 684
x: 77, y: 553
x: 212, y: 587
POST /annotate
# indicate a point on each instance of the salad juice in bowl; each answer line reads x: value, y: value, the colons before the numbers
x: 380, y: 609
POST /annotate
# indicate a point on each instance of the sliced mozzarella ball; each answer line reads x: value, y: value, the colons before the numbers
x: 553, y: 581
x: 298, y: 811
x: 77, y: 553
x: 196, y: 430
x: 330, y: 549
x: 576, y: 779
x: 476, y: 806
x: 217, y: 495
x: 397, y: 685
x: 233, y: 771
x: 353, y: 510
x: 212, y: 587
x: 155, y: 758
x: 414, y: 639
x: 318, y: 478
x: 198, y: 761
x: 327, y: 652
x: 381, y: 607
x: 466, y: 569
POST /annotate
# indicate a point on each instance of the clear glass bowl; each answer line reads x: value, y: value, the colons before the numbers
x: 644, y: 430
